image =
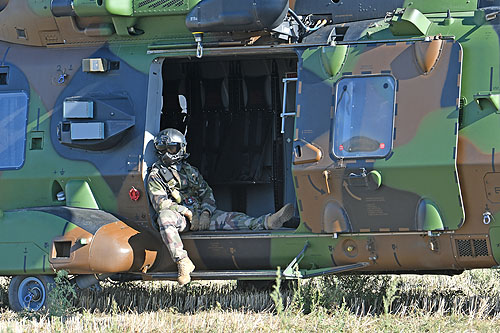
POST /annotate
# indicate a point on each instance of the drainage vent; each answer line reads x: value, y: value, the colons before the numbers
x: 472, y: 248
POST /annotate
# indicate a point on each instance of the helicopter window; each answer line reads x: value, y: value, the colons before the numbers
x: 13, y: 115
x: 364, y: 116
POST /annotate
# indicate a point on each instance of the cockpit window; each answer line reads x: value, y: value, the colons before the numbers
x: 364, y: 116
x: 13, y: 115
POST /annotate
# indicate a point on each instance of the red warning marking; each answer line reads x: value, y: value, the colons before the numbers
x: 134, y: 194
x: 382, y: 145
x: 341, y: 147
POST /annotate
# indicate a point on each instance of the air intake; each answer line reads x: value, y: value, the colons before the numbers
x: 161, y: 3
x: 472, y: 248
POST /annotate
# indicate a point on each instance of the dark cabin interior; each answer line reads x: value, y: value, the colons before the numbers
x: 234, y: 126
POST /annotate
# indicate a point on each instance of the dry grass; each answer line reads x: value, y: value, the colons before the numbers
x: 241, y: 321
x: 468, y: 302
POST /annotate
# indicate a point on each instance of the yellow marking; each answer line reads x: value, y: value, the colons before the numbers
x: 296, y: 134
x: 404, y: 229
x: 47, y: 115
x: 364, y: 230
x: 370, y: 161
x: 349, y: 191
x: 297, y: 114
x: 384, y: 229
x: 300, y: 87
x: 331, y: 112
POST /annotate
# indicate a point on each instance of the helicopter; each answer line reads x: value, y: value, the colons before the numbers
x: 377, y: 120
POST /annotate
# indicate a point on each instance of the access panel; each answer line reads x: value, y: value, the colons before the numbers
x: 376, y: 137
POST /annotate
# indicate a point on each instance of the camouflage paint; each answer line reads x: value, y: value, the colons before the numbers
x: 56, y: 46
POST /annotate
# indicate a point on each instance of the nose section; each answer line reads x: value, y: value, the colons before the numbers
x: 115, y: 247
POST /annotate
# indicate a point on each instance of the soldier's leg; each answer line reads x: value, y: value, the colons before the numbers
x: 171, y: 223
x: 221, y: 220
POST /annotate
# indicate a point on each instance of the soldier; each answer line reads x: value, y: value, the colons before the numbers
x: 184, y: 201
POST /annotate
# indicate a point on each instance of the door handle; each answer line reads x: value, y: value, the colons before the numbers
x: 305, y: 153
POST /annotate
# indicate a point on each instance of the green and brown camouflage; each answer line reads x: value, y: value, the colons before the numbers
x: 392, y: 158
x: 186, y: 189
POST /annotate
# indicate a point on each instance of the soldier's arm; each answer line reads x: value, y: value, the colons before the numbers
x: 159, y: 196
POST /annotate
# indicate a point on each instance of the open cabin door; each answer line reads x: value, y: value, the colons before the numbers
x: 376, y: 137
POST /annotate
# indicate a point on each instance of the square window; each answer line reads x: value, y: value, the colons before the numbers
x: 21, y: 34
x: 364, y: 116
x: 36, y: 142
x: 13, y: 118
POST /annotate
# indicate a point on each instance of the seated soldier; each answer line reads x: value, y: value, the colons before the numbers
x: 184, y: 201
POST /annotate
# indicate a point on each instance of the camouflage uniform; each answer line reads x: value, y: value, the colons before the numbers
x: 188, y: 190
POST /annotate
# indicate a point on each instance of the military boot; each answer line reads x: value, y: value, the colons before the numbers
x: 276, y: 220
x: 184, y: 268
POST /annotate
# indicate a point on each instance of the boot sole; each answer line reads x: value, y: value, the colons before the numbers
x: 281, y: 216
x: 286, y: 213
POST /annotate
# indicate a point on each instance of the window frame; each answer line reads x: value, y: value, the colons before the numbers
x: 335, y: 110
x: 25, y: 129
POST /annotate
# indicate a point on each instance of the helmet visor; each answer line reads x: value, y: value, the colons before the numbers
x: 173, y: 148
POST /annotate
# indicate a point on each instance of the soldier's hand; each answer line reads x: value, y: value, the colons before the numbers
x: 205, y: 220
x: 195, y: 223
x: 188, y: 214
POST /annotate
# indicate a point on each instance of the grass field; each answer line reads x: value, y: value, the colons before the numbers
x: 467, y: 302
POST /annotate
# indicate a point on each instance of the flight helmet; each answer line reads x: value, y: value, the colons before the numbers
x: 171, y: 146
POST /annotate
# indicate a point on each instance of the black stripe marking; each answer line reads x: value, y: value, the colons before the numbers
x: 456, y: 128
x: 493, y: 159
x: 454, y: 152
x: 459, y: 201
x: 396, y: 109
x: 347, y: 73
x: 491, y: 78
x: 43, y: 265
x: 24, y: 267
x: 386, y: 71
x: 300, y: 205
x: 455, y: 175
x: 394, y: 137
x: 366, y: 72
x: 64, y: 229
x: 333, y: 260
x: 389, y: 156
x: 38, y: 120
x: 396, y: 258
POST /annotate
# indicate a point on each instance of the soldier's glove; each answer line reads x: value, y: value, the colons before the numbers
x: 195, y: 223
x: 205, y: 220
